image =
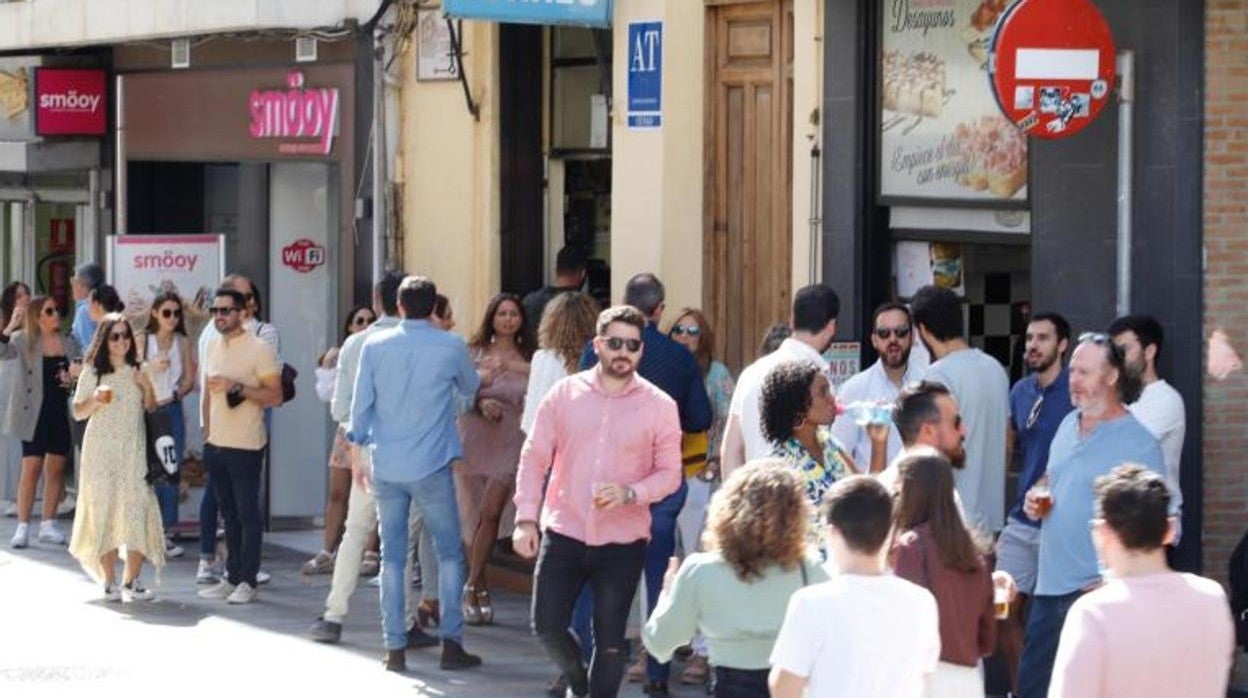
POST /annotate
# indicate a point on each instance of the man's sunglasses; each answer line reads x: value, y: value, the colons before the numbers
x: 898, y: 332
x: 217, y: 310
x: 1117, y: 355
x: 691, y: 330
x: 168, y: 313
x: 617, y: 343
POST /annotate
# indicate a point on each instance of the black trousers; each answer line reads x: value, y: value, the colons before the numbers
x: 236, y: 483
x: 564, y: 566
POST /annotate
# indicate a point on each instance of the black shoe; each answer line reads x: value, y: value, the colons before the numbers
x: 655, y: 688
x: 325, y: 631
x: 395, y: 660
x: 558, y: 688
x: 418, y: 639
x: 454, y: 657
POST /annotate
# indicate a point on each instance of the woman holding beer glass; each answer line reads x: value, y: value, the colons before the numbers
x: 37, y: 409
x: 934, y: 549
x: 166, y: 351
x: 116, y: 507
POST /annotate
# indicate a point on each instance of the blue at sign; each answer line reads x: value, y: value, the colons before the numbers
x: 589, y: 13
x: 645, y: 74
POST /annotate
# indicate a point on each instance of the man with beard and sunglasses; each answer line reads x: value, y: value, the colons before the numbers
x: 1038, y: 404
x: 610, y: 442
x: 892, y: 337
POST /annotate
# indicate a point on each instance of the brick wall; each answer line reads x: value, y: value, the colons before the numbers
x: 1226, y: 278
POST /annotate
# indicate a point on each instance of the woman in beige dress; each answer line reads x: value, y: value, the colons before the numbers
x: 116, y: 507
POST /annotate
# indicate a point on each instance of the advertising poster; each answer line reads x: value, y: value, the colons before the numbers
x: 843, y: 362
x: 142, y: 266
x: 942, y: 136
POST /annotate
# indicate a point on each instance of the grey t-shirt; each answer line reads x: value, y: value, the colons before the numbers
x: 982, y: 388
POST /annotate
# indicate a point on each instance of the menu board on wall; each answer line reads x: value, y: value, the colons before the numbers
x: 942, y: 137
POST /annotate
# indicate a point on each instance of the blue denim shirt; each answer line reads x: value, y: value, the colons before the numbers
x: 1067, y: 557
x: 673, y: 369
x: 83, y: 328
x: 410, y: 379
x: 1032, y: 445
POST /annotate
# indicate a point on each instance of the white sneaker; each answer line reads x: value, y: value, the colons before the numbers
x: 222, y: 590
x: 21, y: 537
x: 112, y: 593
x: 10, y: 510
x: 209, y: 572
x: 50, y: 534
x: 243, y: 593
x: 263, y: 578
x: 135, y: 591
x: 172, y: 549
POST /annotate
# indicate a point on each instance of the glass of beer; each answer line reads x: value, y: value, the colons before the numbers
x: 1001, y: 602
x: 1043, y: 497
x: 104, y: 394
x: 595, y: 490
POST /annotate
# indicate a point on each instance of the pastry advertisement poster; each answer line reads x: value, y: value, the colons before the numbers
x: 942, y: 137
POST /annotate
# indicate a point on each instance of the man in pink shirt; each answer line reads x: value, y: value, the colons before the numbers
x: 610, y: 441
x: 1151, y: 632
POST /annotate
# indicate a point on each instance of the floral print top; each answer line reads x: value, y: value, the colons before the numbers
x: 719, y: 387
x: 817, y: 477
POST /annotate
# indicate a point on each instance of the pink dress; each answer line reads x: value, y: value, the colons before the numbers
x: 491, y: 449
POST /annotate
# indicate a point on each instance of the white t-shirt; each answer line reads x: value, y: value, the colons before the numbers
x: 1160, y: 409
x: 746, y: 398
x: 545, y: 370
x: 860, y: 636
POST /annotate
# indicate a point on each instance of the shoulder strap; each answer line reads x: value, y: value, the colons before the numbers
x: 801, y: 565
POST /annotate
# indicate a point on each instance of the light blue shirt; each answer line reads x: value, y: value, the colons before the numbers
x: 403, y: 408
x: 349, y: 367
x: 83, y: 328
x: 1067, y: 557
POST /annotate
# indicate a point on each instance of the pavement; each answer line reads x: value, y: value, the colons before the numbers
x: 58, y: 637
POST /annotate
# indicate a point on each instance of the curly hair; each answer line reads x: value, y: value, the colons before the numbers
x: 759, y: 518
x: 568, y: 322
x: 786, y: 398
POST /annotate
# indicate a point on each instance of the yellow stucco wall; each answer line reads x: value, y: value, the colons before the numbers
x: 449, y: 166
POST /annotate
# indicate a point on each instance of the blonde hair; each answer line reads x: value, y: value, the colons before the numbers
x: 569, y: 321
x: 759, y: 518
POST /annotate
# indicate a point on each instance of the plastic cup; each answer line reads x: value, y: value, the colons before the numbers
x: 1001, y: 602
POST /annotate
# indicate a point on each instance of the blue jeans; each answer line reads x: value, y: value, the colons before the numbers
x: 167, y: 493
x: 434, y: 495
x: 1045, y: 617
x: 662, y: 545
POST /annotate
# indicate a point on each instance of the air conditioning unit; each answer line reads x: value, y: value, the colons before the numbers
x: 180, y: 53
x: 305, y: 49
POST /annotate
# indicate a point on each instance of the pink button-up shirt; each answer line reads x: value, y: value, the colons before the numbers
x: 583, y: 436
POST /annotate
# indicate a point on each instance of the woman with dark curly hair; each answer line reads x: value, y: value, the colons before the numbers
x: 798, y: 409
x: 736, y: 593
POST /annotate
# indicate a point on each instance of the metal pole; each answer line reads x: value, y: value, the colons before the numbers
x: 815, y: 218
x: 120, y: 190
x: 380, y: 180
x: 1126, y: 99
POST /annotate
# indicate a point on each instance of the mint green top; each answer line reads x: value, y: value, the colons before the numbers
x: 740, y: 620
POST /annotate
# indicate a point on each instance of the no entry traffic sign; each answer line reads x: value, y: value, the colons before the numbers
x: 1052, y: 66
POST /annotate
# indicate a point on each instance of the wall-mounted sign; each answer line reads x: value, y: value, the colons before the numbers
x: 307, y: 117
x: 588, y: 13
x: 303, y: 255
x: 942, y: 137
x: 1053, y: 66
x: 844, y: 360
x: 645, y: 74
x: 70, y: 102
x: 435, y: 55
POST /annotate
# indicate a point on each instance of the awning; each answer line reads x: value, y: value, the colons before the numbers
x: 584, y: 13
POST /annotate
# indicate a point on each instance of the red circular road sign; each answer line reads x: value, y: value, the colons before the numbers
x: 1052, y: 66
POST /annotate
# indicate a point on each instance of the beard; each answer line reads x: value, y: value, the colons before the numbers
x: 619, y: 368
x: 897, y: 359
x: 957, y: 457
x: 1041, y: 363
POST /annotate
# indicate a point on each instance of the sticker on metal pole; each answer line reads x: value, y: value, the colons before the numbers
x: 1052, y: 66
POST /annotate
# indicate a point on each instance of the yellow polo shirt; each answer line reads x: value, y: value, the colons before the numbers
x: 244, y: 359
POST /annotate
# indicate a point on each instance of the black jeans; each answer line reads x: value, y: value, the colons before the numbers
x: 236, y: 483
x: 741, y: 683
x: 564, y: 566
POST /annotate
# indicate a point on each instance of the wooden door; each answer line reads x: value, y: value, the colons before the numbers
x: 747, y: 267
x: 521, y: 169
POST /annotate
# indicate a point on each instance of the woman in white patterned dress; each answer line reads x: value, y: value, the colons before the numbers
x: 116, y: 507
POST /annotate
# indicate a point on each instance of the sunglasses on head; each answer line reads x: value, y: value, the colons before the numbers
x: 220, y: 310
x: 617, y: 343
x: 691, y: 330
x: 898, y: 332
x: 118, y: 336
x: 168, y: 313
x: 1116, y: 353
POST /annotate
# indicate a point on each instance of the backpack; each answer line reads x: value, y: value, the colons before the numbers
x: 1238, y: 579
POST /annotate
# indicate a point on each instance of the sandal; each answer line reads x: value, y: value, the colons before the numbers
x: 472, y: 612
x: 486, y: 606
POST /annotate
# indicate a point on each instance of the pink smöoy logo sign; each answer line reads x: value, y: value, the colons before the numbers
x: 296, y: 112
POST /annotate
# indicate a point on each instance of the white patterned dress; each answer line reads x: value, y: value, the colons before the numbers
x: 116, y: 507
